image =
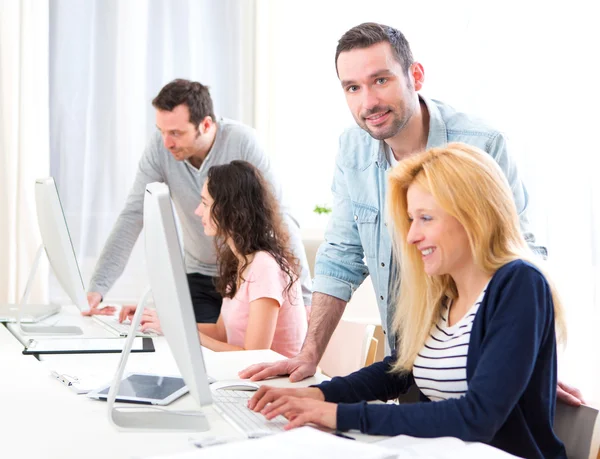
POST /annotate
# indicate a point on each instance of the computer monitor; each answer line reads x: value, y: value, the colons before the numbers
x: 169, y: 287
x: 168, y: 282
x: 57, y: 242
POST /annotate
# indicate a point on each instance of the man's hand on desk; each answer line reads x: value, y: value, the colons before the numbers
x: 94, y: 299
x: 148, y: 322
x: 299, y: 406
x: 299, y: 368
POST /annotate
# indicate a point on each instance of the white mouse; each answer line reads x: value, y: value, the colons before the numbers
x: 235, y: 384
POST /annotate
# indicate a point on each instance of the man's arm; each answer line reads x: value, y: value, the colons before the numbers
x: 325, y: 315
x: 128, y: 226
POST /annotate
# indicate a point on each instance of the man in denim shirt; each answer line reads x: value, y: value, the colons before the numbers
x: 381, y: 82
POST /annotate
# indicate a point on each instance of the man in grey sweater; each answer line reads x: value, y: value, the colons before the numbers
x: 190, y: 141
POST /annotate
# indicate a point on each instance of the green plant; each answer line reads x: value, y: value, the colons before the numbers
x: 324, y: 209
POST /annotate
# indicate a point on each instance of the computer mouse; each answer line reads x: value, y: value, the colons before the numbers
x: 235, y: 384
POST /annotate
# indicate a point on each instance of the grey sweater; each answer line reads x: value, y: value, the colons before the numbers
x: 233, y: 141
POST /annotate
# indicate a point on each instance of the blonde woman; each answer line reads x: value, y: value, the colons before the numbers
x: 477, y: 320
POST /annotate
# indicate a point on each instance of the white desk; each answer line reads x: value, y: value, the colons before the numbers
x: 43, y: 418
x: 40, y: 417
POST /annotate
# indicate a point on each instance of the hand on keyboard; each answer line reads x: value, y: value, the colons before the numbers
x: 233, y: 404
x: 149, y: 322
x: 121, y: 329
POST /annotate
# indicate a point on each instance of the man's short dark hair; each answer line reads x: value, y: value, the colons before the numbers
x: 191, y: 93
x: 369, y: 34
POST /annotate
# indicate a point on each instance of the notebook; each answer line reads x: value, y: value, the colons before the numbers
x: 84, y: 345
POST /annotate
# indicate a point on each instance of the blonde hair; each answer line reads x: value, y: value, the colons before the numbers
x: 469, y: 185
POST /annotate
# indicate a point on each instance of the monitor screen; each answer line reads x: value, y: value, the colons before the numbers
x: 57, y: 241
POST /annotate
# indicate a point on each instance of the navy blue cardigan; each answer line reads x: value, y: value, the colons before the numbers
x: 511, y: 376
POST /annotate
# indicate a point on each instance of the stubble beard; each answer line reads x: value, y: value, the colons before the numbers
x: 397, y: 124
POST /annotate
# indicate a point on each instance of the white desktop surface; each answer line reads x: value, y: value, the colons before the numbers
x: 43, y: 418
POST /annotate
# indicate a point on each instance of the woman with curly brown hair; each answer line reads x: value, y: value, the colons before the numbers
x: 258, y: 275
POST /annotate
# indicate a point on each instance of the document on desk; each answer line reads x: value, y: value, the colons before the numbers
x: 78, y: 380
x: 294, y: 444
x: 442, y: 448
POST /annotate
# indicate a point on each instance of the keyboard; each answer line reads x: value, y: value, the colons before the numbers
x: 232, y: 404
x: 112, y: 324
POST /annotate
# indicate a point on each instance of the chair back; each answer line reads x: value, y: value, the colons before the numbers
x: 578, y: 427
x: 351, y: 347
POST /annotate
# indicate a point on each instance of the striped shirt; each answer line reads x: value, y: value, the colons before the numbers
x: 440, y: 369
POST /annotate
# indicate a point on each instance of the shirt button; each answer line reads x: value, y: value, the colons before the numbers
x: 384, y: 332
x: 385, y: 224
x: 381, y: 297
x: 356, y: 217
x: 383, y: 265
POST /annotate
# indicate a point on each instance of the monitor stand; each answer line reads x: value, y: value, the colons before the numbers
x: 27, y: 329
x: 148, y: 418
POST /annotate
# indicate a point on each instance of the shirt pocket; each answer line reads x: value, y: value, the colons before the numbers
x: 367, y: 218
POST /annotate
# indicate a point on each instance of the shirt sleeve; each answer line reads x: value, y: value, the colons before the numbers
x: 128, y: 226
x: 339, y: 267
x: 375, y: 382
x: 266, y: 279
x: 521, y: 322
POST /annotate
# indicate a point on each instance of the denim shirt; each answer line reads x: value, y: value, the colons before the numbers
x: 357, y: 241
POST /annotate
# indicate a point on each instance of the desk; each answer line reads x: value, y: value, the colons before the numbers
x: 43, y: 418
x: 40, y: 417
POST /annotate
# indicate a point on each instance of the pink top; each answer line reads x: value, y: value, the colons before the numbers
x: 265, y: 279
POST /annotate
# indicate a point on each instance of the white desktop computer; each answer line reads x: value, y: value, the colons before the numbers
x: 56, y: 243
x: 169, y: 286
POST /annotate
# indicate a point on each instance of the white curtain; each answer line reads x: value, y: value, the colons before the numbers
x: 24, y: 141
x: 529, y: 68
x: 108, y: 59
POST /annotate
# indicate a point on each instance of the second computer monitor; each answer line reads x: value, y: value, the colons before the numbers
x: 57, y: 241
x: 168, y: 282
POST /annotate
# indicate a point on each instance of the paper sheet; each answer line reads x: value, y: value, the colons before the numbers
x: 442, y: 448
x: 294, y: 444
x: 80, y: 382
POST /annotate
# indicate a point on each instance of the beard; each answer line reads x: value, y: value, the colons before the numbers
x: 392, y: 126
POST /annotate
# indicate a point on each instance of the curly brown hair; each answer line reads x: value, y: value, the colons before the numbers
x: 245, y: 210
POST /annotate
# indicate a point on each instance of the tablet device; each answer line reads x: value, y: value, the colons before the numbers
x: 145, y: 388
x: 85, y: 345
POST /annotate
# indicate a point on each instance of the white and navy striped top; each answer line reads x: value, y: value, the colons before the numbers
x: 440, y: 369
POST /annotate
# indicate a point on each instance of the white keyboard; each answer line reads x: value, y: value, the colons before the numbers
x: 120, y: 329
x: 232, y: 404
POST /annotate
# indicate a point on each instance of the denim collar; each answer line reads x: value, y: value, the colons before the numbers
x: 438, y: 134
